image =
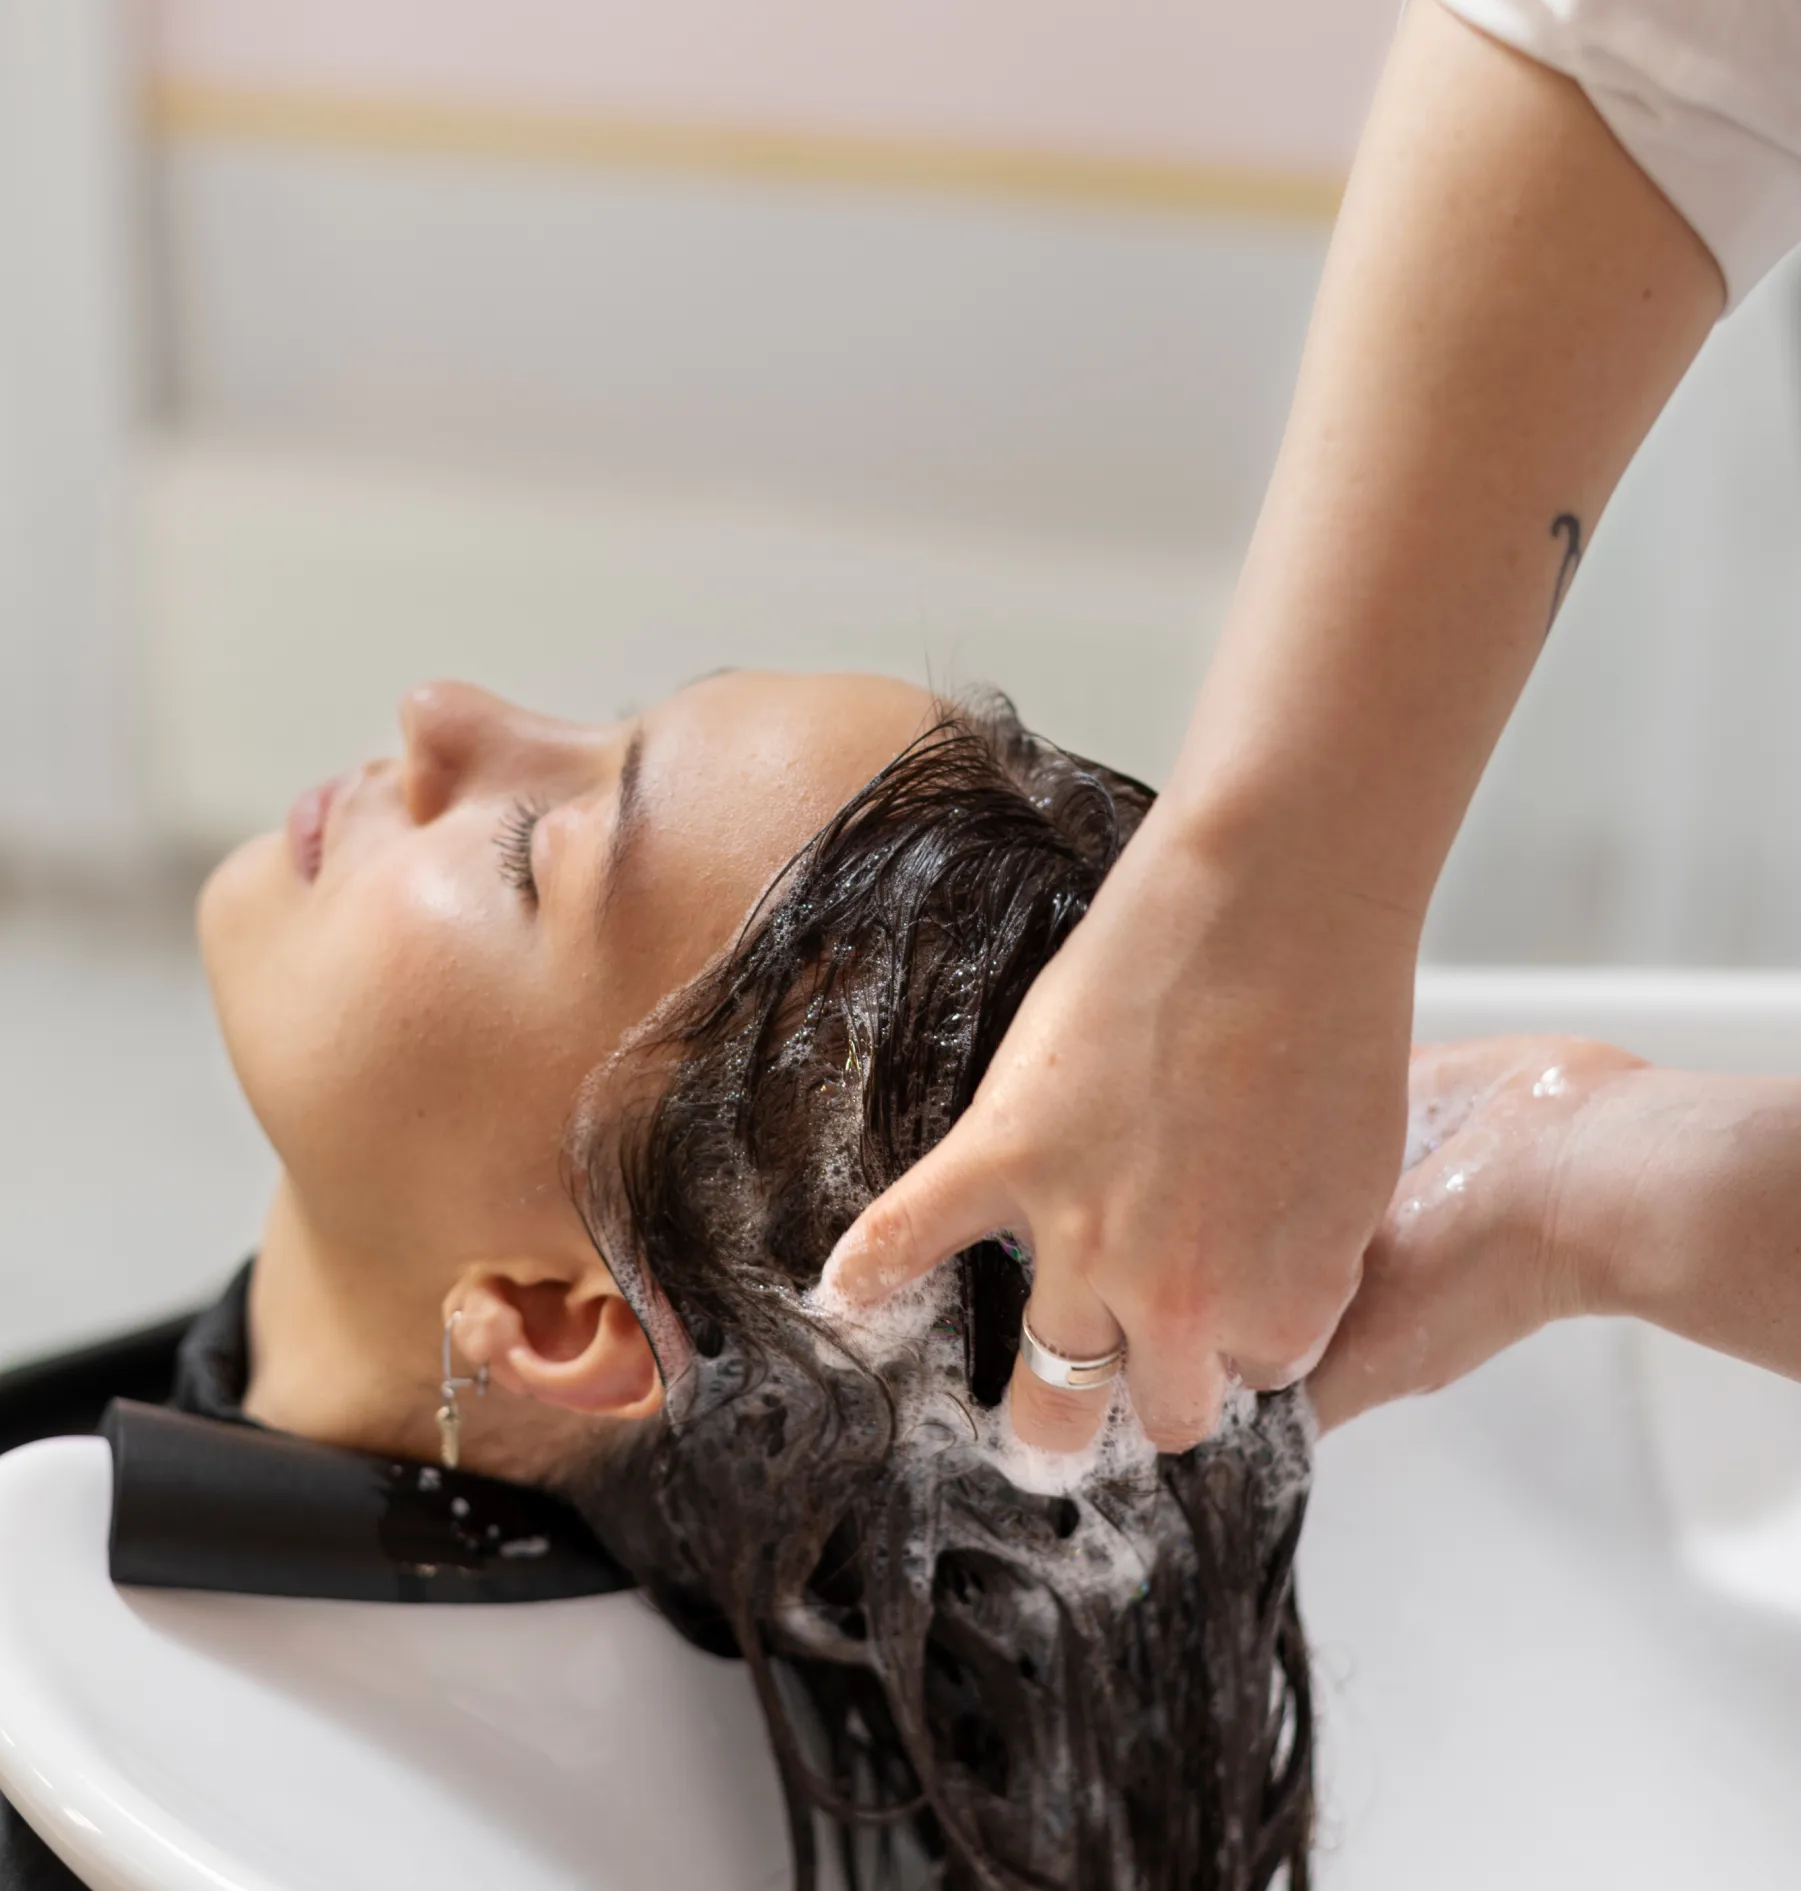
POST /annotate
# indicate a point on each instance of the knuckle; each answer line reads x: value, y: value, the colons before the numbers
x: 888, y: 1225
x: 1075, y: 1237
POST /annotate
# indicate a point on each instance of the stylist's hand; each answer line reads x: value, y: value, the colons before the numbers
x: 1194, y: 1122
x: 1528, y: 1151
x: 1197, y: 1116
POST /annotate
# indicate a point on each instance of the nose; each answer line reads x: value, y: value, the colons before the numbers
x: 449, y: 731
x: 460, y: 740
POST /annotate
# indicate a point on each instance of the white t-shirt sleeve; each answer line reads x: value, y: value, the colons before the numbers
x: 1705, y: 94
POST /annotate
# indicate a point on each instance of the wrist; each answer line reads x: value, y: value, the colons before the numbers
x: 1709, y: 1202
x: 1606, y: 1200
x: 1293, y: 870
x: 1671, y: 1162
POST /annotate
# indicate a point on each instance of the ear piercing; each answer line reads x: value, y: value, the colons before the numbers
x: 450, y: 1417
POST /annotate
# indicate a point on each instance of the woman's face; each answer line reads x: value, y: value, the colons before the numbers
x: 417, y: 975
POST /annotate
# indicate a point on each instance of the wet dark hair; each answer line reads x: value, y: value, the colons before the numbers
x: 977, y: 1686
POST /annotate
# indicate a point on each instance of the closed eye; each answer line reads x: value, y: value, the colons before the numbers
x: 514, y: 845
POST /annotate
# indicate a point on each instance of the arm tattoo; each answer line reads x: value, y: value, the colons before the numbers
x: 1567, y: 527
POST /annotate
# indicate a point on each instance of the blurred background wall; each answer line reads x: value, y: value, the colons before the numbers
x: 575, y: 347
x: 586, y: 347
x: 579, y: 346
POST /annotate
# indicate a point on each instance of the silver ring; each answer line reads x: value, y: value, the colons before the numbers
x: 1058, y: 1369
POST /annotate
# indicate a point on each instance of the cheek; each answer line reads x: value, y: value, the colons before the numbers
x: 395, y: 989
x: 373, y: 1033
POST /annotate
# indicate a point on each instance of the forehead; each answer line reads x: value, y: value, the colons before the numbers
x: 739, y: 771
x: 761, y: 760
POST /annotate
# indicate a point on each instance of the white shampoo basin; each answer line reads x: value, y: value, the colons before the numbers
x: 164, y: 1741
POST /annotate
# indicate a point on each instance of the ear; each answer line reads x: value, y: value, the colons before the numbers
x: 565, y: 1341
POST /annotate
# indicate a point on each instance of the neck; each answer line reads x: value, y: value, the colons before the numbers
x: 343, y: 1345
x: 345, y: 1349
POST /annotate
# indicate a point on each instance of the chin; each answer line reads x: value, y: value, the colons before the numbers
x: 238, y: 921
x: 242, y: 898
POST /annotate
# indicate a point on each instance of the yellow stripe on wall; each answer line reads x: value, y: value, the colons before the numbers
x: 425, y: 128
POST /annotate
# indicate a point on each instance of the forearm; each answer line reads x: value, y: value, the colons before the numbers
x: 1691, y: 1209
x: 1507, y: 304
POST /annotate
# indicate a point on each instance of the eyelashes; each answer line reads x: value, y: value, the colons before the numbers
x: 514, y: 845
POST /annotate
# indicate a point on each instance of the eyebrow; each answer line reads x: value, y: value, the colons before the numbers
x: 628, y: 818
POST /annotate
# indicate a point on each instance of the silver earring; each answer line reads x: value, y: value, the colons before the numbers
x: 450, y: 1417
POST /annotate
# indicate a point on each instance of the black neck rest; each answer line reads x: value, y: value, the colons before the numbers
x: 199, y: 1503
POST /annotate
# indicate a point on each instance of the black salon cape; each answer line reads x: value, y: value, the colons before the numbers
x: 199, y: 1365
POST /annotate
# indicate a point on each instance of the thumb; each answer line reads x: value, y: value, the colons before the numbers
x: 946, y: 1202
x: 1348, y: 1382
x: 1386, y: 1346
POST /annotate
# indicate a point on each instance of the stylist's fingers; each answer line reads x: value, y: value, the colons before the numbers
x: 1177, y: 1391
x: 946, y: 1202
x: 1382, y: 1349
x: 1071, y: 1324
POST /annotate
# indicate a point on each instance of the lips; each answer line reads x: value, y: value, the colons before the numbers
x: 306, y: 829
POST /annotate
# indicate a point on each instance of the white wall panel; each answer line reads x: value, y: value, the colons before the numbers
x: 70, y: 786
x: 1113, y: 377
x: 1281, y: 82
x: 294, y: 596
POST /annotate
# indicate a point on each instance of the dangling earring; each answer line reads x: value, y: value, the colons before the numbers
x: 450, y: 1417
